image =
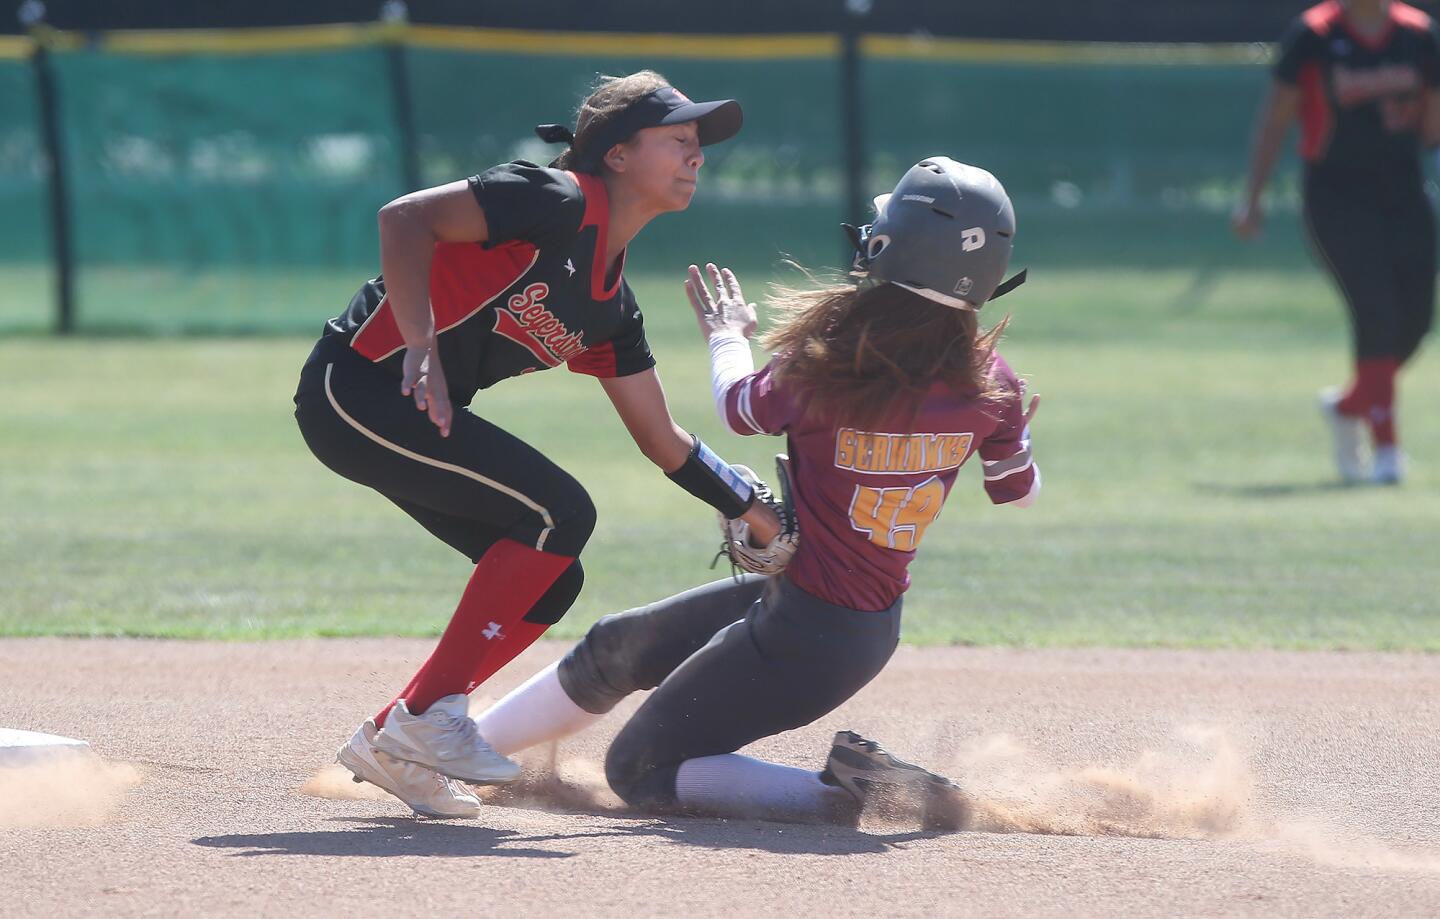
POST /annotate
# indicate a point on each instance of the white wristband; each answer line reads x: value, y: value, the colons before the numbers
x: 730, y: 362
x: 1032, y: 494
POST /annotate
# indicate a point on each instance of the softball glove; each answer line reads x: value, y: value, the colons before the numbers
x: 736, y: 544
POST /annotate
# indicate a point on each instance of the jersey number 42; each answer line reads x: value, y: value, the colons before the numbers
x: 896, y: 518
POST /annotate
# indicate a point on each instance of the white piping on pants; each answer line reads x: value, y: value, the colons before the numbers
x: 468, y: 473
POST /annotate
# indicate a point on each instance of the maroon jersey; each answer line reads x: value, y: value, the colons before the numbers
x: 533, y: 297
x: 1361, y: 96
x: 864, y: 498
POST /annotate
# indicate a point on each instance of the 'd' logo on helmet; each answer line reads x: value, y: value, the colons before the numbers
x: 973, y: 239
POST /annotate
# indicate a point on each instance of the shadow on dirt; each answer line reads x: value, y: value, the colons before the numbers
x: 777, y: 838
x: 385, y: 837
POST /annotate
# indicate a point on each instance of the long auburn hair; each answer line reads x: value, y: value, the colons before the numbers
x: 608, y: 97
x: 858, y: 353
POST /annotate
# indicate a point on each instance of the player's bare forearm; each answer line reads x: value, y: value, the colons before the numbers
x: 639, y: 400
x: 410, y: 226
x: 764, y: 523
x: 405, y: 250
x: 1273, y: 123
x: 1276, y: 116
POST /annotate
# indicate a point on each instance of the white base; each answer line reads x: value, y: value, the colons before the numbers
x: 20, y: 748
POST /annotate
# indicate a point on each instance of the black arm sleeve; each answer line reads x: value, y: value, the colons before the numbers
x: 712, y: 480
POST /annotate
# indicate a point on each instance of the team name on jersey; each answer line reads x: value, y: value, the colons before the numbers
x: 526, y: 321
x: 868, y: 452
x: 1356, y: 84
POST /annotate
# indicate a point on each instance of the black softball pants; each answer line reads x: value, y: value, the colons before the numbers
x: 471, y: 489
x: 734, y: 661
x: 1376, y: 236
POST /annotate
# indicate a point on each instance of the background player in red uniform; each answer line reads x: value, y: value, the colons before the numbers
x: 1361, y: 76
x: 883, y: 388
x: 515, y: 270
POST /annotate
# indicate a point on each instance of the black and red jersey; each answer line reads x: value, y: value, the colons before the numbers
x: 532, y: 297
x: 1361, y: 96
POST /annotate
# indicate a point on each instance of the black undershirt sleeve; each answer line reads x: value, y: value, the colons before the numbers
x: 1294, y: 50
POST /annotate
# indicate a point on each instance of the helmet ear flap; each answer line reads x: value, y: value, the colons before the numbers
x: 875, y: 245
x: 859, y: 238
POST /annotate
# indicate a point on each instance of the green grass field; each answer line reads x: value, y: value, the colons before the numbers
x: 158, y: 487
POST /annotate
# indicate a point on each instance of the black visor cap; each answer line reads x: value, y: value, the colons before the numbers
x: 714, y: 121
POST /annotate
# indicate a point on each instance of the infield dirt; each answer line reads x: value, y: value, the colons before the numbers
x: 1142, y: 783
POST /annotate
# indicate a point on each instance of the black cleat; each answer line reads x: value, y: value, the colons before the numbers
x: 864, y: 768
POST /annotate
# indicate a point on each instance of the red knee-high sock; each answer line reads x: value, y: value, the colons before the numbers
x: 518, y: 636
x: 1374, y: 379
x: 1382, y: 402
x: 488, y: 628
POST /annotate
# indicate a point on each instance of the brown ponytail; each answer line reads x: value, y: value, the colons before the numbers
x: 608, y: 97
x: 858, y: 353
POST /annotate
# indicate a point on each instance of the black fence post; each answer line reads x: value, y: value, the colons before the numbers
x: 852, y: 111
x: 399, y: 73
x: 52, y: 139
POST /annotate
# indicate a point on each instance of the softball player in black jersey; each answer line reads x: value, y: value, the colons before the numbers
x: 1361, y: 75
x: 515, y: 270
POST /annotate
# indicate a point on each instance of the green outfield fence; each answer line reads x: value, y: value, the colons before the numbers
x: 228, y: 181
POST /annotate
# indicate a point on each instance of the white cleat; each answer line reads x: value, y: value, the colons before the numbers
x: 1389, y: 466
x: 1347, y: 436
x: 428, y: 793
x: 445, y: 739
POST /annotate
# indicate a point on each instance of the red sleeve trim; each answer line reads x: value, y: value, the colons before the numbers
x: 1322, y: 17
x: 464, y: 279
x: 1315, y: 123
x: 598, y: 361
x: 378, y: 336
x: 1402, y: 14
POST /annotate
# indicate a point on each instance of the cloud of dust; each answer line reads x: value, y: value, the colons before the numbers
x: 1203, y: 789
x: 555, y: 785
x: 335, y: 782
x: 1326, y: 846
x: 548, y: 784
x: 71, y: 789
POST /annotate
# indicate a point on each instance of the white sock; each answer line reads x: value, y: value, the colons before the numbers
x: 732, y: 785
x: 537, y: 712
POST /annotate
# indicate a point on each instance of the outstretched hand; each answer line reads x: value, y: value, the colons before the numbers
x: 1033, y: 408
x: 1246, y: 220
x: 423, y: 379
x: 726, y: 309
